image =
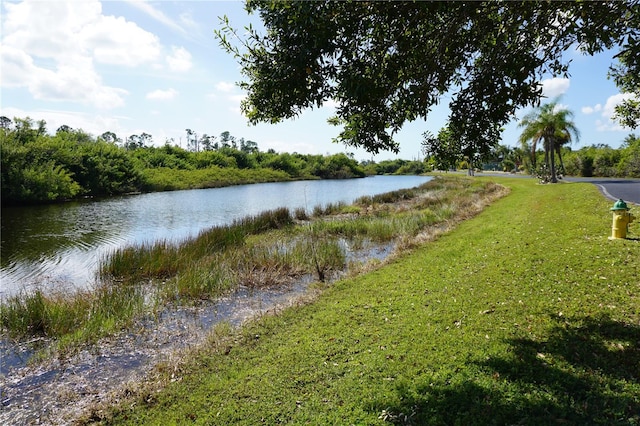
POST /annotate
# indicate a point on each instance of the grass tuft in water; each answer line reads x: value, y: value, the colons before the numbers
x: 82, y: 316
x: 163, y: 259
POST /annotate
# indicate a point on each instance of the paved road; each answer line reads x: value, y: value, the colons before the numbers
x: 612, y: 188
x: 627, y: 189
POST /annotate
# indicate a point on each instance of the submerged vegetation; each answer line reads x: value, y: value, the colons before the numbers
x: 268, y: 249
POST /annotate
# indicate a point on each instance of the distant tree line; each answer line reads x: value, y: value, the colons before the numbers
x: 397, y: 166
x: 600, y: 160
x: 603, y: 161
x: 38, y: 167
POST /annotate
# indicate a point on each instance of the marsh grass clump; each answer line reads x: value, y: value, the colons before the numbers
x: 38, y: 314
x: 388, y: 197
x: 272, y: 219
x: 212, y: 240
x: 301, y: 214
x: 113, y: 307
x: 25, y: 314
x: 329, y: 209
x: 323, y: 255
x: 373, y: 227
x: 165, y: 259
x: 198, y: 284
x: 82, y: 316
x: 143, y: 261
x: 263, y: 265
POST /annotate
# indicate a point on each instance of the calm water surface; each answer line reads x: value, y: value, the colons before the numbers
x: 60, y: 246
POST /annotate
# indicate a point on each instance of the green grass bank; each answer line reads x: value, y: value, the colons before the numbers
x: 526, y: 314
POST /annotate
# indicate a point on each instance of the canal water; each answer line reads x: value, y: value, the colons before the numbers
x: 59, y: 247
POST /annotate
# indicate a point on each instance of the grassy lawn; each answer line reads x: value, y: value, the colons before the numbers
x: 525, y: 314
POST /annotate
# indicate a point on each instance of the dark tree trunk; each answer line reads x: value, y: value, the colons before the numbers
x: 554, y: 178
x: 559, y: 151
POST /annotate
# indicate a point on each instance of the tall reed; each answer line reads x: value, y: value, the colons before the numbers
x: 272, y: 219
x: 143, y: 261
x: 329, y: 209
x: 164, y: 259
x: 387, y: 197
x: 84, y: 313
x: 198, y: 284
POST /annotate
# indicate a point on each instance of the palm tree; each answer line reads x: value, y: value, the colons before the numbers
x: 552, y: 126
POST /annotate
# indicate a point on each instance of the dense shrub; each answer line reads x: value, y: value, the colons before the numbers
x: 604, y: 161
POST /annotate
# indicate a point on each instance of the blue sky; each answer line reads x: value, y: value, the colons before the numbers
x: 136, y: 66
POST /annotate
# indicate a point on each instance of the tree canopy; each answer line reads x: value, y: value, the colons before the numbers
x: 626, y: 75
x: 386, y: 63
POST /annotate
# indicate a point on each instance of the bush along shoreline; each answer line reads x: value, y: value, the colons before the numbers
x: 38, y: 167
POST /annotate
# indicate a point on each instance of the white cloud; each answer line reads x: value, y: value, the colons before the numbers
x: 187, y: 20
x: 226, y: 87
x: 179, y: 60
x: 554, y: 87
x: 62, y: 29
x: 51, y: 49
x: 162, y: 95
x: 590, y: 110
x: 75, y: 81
x: 156, y: 14
x: 234, y: 102
x: 606, y: 123
x: 16, y: 67
x: 47, y: 29
x: 561, y: 107
x: 613, y: 101
x: 116, y: 41
x: 608, y: 126
x: 231, y: 99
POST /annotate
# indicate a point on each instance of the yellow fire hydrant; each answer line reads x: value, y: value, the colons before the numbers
x: 621, y: 220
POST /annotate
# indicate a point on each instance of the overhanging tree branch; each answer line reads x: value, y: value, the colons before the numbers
x: 386, y: 63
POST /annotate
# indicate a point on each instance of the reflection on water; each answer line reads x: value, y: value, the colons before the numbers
x: 59, y: 246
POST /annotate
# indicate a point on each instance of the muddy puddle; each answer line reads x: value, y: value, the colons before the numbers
x: 57, y: 391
